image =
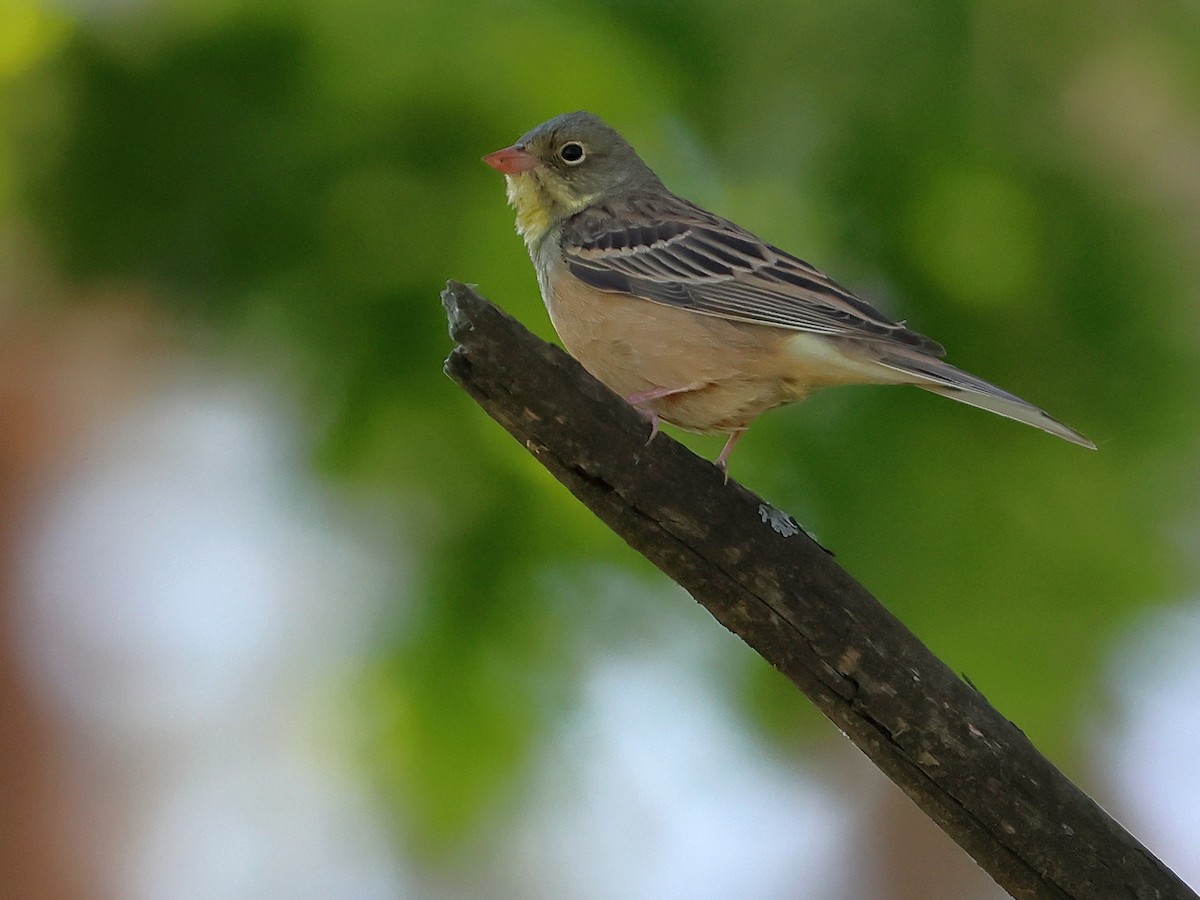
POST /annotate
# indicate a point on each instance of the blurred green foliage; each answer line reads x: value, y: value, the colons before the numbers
x: 303, y: 177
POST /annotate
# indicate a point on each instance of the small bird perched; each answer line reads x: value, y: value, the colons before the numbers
x: 689, y: 317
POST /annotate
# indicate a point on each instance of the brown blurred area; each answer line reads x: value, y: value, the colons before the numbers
x: 65, y: 368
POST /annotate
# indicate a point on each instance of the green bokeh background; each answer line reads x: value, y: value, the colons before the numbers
x: 296, y: 181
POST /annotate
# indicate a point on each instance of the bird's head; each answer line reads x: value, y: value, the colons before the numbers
x: 563, y: 166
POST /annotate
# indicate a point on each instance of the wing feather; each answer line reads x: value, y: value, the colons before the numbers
x: 669, y: 251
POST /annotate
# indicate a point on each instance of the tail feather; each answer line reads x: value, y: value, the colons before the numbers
x: 944, y: 379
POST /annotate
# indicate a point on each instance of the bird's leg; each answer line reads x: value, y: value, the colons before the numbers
x: 639, y: 400
x: 722, y: 460
x: 644, y: 397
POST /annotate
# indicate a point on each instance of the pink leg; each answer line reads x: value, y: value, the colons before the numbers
x: 657, y: 394
x: 722, y: 460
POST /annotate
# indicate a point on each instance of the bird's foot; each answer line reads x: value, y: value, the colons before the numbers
x: 722, y: 460
x: 639, y: 400
x: 652, y: 417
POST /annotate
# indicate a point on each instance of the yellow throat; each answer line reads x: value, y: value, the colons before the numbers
x: 540, y: 203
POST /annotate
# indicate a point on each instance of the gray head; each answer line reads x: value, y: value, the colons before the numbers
x: 586, y: 155
x: 568, y: 163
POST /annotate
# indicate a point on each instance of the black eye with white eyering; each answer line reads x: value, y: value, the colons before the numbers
x: 571, y: 153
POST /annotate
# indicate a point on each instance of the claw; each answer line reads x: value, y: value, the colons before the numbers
x: 652, y: 417
x: 724, y: 467
x: 638, y: 401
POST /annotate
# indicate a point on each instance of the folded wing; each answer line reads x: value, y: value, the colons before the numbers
x: 675, y: 253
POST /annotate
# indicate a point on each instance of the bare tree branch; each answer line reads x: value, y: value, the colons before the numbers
x: 970, y: 769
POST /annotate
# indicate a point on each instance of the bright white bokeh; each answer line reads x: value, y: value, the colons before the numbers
x: 190, y: 592
x: 1148, y: 744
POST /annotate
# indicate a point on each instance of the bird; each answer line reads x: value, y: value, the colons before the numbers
x: 691, y: 318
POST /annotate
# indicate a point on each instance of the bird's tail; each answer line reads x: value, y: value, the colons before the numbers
x: 942, y: 378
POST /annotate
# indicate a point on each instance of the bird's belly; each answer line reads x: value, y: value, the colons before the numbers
x: 726, y: 373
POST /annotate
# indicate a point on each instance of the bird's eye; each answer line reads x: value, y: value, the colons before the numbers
x: 571, y: 153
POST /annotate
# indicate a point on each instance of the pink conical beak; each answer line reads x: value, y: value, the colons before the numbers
x: 511, y: 160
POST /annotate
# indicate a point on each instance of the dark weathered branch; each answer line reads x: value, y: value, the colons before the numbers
x: 970, y: 769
